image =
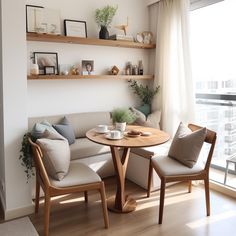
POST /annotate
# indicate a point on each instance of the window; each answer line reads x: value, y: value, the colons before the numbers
x: 213, y: 49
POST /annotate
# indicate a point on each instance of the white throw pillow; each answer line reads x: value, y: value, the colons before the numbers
x: 186, y: 145
x: 56, y: 154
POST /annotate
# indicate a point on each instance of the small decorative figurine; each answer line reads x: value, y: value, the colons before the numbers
x: 115, y: 70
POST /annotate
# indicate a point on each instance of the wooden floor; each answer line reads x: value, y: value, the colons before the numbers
x: 184, y: 214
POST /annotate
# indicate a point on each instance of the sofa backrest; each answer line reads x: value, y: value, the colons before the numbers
x: 81, y: 122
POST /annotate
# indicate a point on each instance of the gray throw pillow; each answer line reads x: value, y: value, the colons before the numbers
x: 56, y: 154
x: 39, y: 128
x: 66, y: 130
x: 186, y: 145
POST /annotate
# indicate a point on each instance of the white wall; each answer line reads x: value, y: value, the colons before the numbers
x: 58, y: 97
x: 14, y: 106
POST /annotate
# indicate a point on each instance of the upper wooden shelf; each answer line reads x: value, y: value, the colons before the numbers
x: 87, y: 41
x: 70, y: 77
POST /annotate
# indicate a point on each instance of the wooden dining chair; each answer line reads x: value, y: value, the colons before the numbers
x: 80, y: 178
x: 170, y: 170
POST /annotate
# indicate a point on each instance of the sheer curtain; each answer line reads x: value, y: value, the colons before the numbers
x: 172, y: 66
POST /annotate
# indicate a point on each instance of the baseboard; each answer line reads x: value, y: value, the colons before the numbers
x: 223, y: 189
x: 18, y: 212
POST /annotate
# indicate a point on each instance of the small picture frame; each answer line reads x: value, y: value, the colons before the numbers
x: 32, y: 13
x: 75, y: 28
x: 49, y: 70
x: 46, y: 59
x: 87, y: 67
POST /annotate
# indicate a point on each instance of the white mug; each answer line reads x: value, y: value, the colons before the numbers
x: 115, y: 134
x: 102, y: 128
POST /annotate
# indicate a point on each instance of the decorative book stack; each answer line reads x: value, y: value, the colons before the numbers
x: 122, y: 37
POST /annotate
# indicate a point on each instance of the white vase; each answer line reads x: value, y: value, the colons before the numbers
x: 121, y: 126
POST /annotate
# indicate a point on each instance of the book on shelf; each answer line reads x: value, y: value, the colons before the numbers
x: 122, y: 37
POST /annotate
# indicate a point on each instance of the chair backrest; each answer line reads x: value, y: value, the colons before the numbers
x: 211, y: 139
x: 41, y: 172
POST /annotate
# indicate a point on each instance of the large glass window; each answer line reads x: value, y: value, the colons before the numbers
x: 213, y: 48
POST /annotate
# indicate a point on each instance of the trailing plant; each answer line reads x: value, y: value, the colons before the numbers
x: 121, y: 115
x: 26, y: 156
x: 144, y: 92
x: 105, y: 15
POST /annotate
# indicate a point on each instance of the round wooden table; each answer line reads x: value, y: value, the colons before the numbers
x: 121, y: 203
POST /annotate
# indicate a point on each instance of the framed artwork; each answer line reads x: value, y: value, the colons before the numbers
x: 75, y: 28
x: 87, y: 67
x: 32, y: 13
x: 46, y: 60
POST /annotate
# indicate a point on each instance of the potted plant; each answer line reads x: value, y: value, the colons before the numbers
x: 26, y: 156
x: 146, y: 95
x: 121, y: 117
x: 104, y: 18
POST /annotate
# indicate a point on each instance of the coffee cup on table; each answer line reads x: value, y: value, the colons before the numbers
x: 115, y: 134
x: 102, y: 128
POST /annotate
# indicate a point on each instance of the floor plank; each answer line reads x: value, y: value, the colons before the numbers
x: 184, y: 214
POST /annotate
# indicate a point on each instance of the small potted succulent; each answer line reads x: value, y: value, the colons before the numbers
x: 104, y: 18
x: 121, y: 117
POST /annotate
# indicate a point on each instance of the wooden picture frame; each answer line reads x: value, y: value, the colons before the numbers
x: 31, y: 17
x: 46, y: 59
x: 75, y: 28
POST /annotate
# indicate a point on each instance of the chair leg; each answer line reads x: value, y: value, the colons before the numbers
x: 85, y: 196
x: 162, y: 198
x: 47, y: 214
x: 104, y: 205
x: 149, y: 178
x: 189, y: 186
x: 207, y: 194
x: 37, y: 192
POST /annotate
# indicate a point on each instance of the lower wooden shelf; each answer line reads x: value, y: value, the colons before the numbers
x: 70, y: 77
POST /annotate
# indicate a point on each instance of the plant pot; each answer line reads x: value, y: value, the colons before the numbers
x: 145, y: 109
x: 103, y: 33
x: 121, y: 126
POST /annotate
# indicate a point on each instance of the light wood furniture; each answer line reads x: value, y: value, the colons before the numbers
x: 200, y: 175
x: 232, y: 159
x: 86, y: 41
x: 72, y: 77
x: 43, y: 180
x: 121, y: 203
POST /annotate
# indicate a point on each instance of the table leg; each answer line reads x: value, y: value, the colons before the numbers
x: 120, y: 203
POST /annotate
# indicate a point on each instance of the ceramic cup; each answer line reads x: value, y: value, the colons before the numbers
x: 102, y: 128
x: 116, y: 134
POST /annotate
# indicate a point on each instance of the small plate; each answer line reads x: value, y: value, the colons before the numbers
x: 108, y: 136
x: 102, y: 132
x: 133, y: 135
x: 146, y: 133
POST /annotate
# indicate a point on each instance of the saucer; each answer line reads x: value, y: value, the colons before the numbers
x: 102, y: 132
x: 146, y: 133
x: 108, y: 136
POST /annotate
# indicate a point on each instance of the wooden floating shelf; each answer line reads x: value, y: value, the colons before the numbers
x: 71, y: 77
x: 87, y: 41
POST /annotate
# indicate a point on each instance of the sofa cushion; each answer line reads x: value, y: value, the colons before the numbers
x: 85, y: 148
x: 56, y: 154
x: 186, y: 145
x: 66, y: 130
x: 169, y: 167
x: 39, y: 128
x: 78, y: 174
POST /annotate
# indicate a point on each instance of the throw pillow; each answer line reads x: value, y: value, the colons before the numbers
x: 145, y: 109
x: 186, y: 145
x: 138, y: 113
x: 56, y: 154
x: 66, y: 130
x: 39, y: 128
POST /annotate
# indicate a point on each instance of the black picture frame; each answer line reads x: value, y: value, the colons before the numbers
x: 49, y: 70
x: 46, y: 59
x: 75, y: 28
x: 27, y: 11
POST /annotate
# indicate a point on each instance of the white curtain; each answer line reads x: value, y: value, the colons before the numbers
x: 173, y: 67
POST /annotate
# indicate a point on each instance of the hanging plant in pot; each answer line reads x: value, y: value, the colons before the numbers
x: 121, y: 117
x: 146, y: 95
x: 104, y: 18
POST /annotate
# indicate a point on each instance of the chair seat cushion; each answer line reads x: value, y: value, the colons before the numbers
x: 78, y: 174
x: 169, y: 167
x: 83, y: 147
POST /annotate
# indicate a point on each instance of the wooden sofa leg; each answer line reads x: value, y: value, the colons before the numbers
x: 150, y: 171
x: 190, y: 186
x: 85, y: 196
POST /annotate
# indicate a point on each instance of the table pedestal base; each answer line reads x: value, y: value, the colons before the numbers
x: 129, y: 206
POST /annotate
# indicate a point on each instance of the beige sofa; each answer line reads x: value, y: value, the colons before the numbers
x: 96, y: 156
